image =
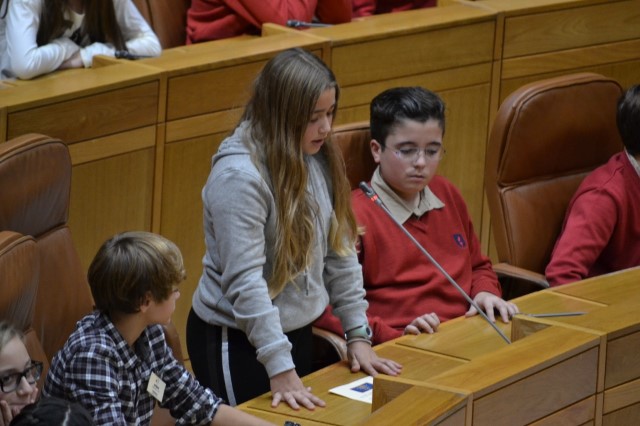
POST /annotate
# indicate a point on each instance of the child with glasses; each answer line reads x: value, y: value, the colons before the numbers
x: 407, y: 294
x: 117, y: 363
x: 18, y: 374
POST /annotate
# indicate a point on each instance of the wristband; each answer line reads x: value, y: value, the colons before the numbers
x: 361, y: 332
x: 358, y: 339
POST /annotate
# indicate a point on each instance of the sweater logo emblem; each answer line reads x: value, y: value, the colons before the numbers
x: 459, y: 239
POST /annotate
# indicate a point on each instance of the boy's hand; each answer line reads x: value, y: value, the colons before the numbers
x: 363, y: 358
x: 427, y: 323
x: 489, y: 302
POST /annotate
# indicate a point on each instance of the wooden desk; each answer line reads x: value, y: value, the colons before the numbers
x: 562, y: 370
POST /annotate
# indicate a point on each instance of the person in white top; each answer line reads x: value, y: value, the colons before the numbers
x: 42, y: 36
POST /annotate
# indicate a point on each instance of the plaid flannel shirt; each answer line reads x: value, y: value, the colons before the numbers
x: 97, y: 368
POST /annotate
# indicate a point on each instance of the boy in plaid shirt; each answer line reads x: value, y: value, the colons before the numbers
x: 117, y: 363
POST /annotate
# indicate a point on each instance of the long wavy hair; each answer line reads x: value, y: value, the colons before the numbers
x: 100, y: 23
x: 284, y: 96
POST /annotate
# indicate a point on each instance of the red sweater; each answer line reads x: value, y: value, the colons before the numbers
x: 601, y: 232
x: 217, y: 19
x: 374, y: 7
x: 401, y: 283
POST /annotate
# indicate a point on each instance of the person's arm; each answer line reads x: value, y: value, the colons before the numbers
x: 333, y: 11
x: 343, y: 279
x: 229, y: 416
x: 483, y: 277
x: 590, y: 222
x: 27, y: 59
x: 238, y: 204
x: 140, y: 38
x: 363, y: 8
x: 381, y: 330
x: 258, y: 12
x: 91, y: 379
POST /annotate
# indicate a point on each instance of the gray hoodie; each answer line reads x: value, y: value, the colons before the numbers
x: 239, y: 225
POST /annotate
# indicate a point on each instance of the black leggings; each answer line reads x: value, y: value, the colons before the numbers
x: 206, y: 346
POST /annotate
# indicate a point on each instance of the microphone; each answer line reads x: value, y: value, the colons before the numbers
x: 294, y: 23
x: 125, y: 54
x: 371, y: 194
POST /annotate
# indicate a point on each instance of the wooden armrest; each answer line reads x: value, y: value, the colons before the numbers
x: 337, y: 342
x: 506, y: 270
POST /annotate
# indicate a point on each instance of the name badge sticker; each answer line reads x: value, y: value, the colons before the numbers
x: 156, y: 387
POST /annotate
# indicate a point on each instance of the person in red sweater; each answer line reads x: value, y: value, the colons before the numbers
x: 407, y: 294
x: 374, y: 7
x: 601, y: 230
x: 218, y: 19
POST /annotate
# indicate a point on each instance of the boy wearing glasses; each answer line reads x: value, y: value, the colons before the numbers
x: 407, y: 294
x: 117, y: 363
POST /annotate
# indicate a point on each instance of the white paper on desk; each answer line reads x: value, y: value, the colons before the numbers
x: 360, y: 390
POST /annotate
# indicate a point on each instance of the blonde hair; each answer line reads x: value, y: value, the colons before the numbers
x: 131, y: 264
x: 284, y: 96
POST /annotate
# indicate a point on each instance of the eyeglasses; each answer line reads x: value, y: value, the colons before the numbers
x: 431, y: 153
x: 10, y: 382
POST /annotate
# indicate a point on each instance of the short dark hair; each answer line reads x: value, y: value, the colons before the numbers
x: 52, y: 411
x: 395, y: 105
x: 628, y: 119
x: 131, y: 264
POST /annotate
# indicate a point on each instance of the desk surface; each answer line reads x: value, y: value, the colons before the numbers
x: 468, y: 361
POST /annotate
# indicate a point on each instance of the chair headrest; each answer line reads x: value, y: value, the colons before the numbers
x: 555, y: 127
x: 35, y: 181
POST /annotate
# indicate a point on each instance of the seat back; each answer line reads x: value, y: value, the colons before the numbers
x: 19, y: 274
x: 35, y: 182
x: 546, y: 137
x: 354, y: 142
x: 168, y: 18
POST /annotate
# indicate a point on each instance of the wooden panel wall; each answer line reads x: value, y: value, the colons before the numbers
x: 107, y: 116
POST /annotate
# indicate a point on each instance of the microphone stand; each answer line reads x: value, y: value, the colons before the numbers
x: 371, y: 194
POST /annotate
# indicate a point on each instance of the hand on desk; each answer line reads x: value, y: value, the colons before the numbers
x: 489, y: 302
x: 288, y: 387
x: 427, y: 323
x: 363, y: 357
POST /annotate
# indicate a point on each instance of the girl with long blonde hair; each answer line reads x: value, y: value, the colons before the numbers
x: 280, y: 239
